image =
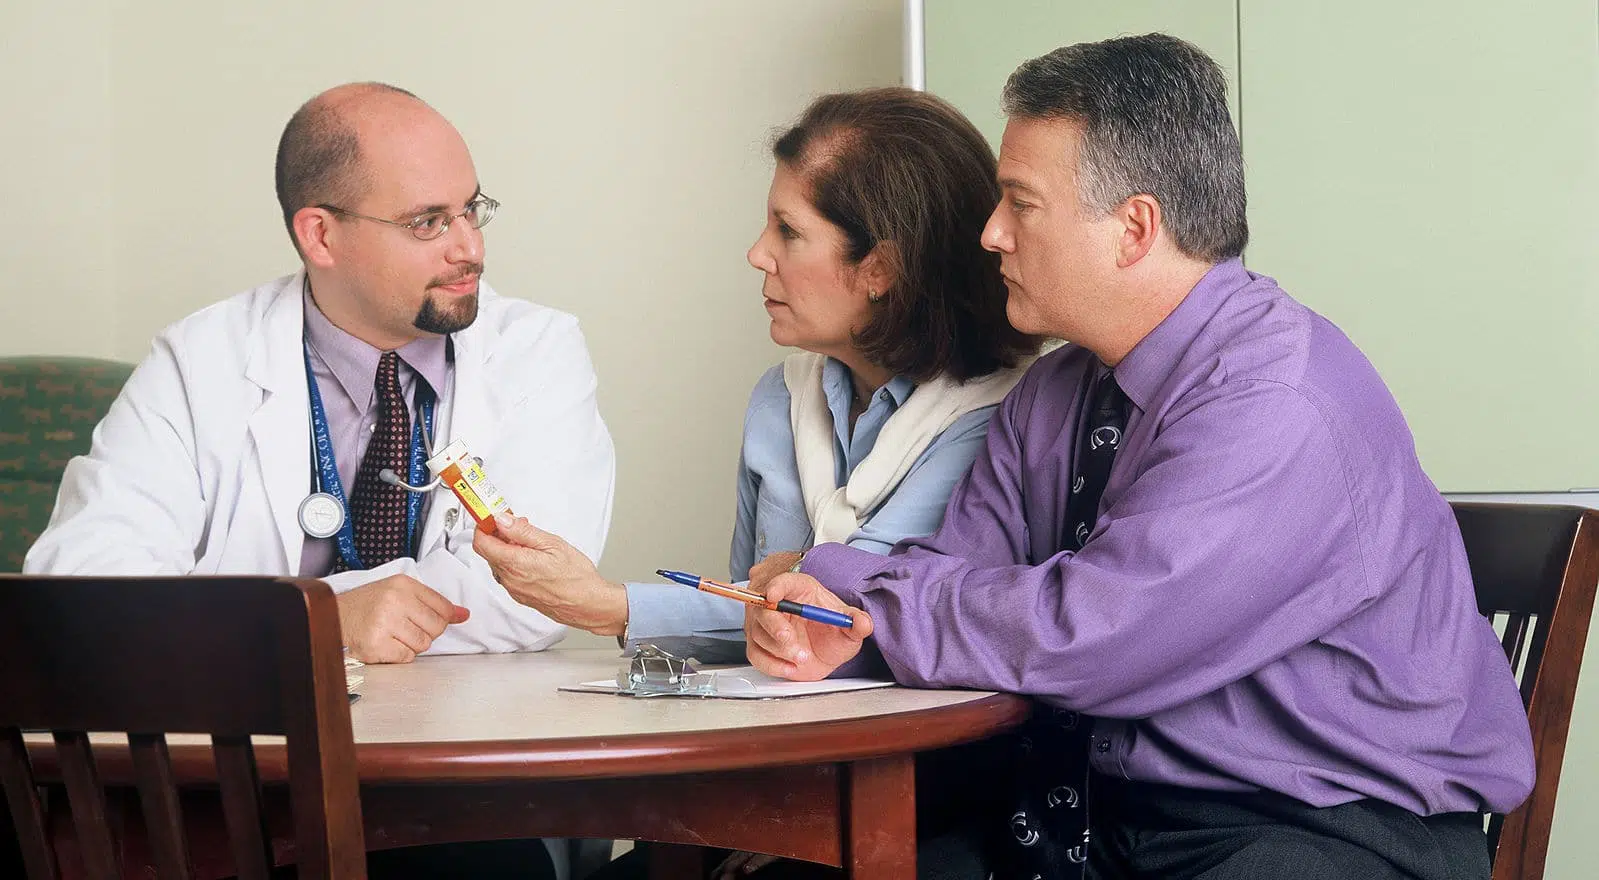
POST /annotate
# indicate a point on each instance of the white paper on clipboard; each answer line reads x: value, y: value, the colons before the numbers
x: 746, y: 683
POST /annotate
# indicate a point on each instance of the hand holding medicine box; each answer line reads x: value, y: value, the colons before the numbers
x: 464, y: 475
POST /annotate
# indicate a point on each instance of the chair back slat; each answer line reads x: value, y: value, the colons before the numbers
x: 89, y: 818
x: 158, y: 796
x: 38, y: 859
x: 1515, y: 639
x: 1539, y: 565
x: 337, y: 839
x: 241, y: 805
x: 230, y: 657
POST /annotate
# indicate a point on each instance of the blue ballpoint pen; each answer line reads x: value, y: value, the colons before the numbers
x: 809, y: 612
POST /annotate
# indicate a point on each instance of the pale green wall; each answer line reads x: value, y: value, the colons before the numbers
x: 1425, y: 174
x: 972, y: 47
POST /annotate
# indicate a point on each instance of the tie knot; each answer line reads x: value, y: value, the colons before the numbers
x: 388, y: 377
x: 1108, y: 394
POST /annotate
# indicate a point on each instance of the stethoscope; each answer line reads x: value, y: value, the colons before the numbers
x: 325, y: 513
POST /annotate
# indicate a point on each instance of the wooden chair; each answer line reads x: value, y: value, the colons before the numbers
x: 1535, y: 568
x: 227, y: 656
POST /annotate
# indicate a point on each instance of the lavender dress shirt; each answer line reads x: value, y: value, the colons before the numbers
x: 345, y: 370
x: 1274, y: 595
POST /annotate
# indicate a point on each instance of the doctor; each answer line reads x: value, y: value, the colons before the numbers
x: 387, y: 339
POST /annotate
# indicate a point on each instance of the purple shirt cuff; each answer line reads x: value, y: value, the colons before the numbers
x: 844, y: 570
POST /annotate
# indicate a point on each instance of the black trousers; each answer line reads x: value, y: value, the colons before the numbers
x: 1157, y: 831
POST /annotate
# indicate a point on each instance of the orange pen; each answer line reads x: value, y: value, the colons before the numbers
x: 728, y: 591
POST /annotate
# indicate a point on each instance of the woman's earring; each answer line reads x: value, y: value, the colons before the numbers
x: 873, y: 296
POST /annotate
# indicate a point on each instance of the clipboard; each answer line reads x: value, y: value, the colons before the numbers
x: 652, y: 672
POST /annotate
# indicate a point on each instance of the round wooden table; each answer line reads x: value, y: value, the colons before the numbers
x: 486, y: 747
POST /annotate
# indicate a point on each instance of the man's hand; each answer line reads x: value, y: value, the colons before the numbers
x: 552, y: 577
x: 777, y: 563
x: 788, y: 646
x: 394, y: 619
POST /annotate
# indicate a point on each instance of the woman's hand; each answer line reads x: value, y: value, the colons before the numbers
x: 547, y: 574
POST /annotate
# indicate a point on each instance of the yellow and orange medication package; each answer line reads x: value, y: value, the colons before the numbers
x: 464, y: 475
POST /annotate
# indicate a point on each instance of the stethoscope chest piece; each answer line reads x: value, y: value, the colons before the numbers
x: 321, y: 515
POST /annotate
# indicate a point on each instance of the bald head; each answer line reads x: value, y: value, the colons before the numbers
x: 320, y: 160
x: 361, y: 169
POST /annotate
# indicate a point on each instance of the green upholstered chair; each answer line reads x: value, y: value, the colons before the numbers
x: 48, y: 409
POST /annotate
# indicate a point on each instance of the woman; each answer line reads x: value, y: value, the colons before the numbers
x: 872, y: 267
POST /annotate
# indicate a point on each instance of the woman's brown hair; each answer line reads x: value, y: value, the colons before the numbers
x: 903, y: 168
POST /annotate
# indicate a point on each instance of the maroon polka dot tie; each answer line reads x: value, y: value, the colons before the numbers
x: 377, y: 508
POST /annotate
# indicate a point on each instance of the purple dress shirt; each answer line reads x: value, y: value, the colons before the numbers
x: 345, y: 369
x: 1274, y: 596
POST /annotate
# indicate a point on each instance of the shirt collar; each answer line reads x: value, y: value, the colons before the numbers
x: 1145, y: 369
x: 839, y: 386
x: 354, y: 363
x: 900, y: 389
x: 429, y: 356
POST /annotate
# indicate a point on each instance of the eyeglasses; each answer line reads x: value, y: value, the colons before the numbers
x: 426, y: 227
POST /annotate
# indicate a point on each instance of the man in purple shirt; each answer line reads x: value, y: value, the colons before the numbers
x: 1267, y: 610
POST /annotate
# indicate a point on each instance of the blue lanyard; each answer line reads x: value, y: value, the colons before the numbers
x: 326, y: 468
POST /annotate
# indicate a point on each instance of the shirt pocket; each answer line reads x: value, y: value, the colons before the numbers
x: 779, y: 527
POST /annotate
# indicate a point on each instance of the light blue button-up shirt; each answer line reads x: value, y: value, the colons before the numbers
x: 771, y: 507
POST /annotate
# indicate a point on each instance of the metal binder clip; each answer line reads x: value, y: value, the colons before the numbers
x: 652, y: 672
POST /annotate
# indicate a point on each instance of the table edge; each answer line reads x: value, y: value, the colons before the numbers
x: 592, y: 757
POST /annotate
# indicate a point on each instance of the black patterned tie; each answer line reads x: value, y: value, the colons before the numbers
x: 377, y: 508
x: 1049, y: 808
x: 1096, y: 449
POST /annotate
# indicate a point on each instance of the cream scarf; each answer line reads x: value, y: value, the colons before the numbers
x: 836, y: 512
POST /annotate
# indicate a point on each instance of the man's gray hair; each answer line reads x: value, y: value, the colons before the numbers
x: 1153, y: 112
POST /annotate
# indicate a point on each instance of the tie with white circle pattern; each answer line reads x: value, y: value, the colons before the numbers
x: 378, y: 510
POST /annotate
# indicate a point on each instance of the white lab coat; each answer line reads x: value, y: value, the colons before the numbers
x: 202, y: 461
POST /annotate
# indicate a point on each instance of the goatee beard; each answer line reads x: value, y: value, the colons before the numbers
x: 432, y: 319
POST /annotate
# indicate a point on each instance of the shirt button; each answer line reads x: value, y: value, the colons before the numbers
x: 1102, y: 746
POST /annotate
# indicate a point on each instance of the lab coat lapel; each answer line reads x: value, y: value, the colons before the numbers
x: 472, y: 420
x: 280, y: 427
